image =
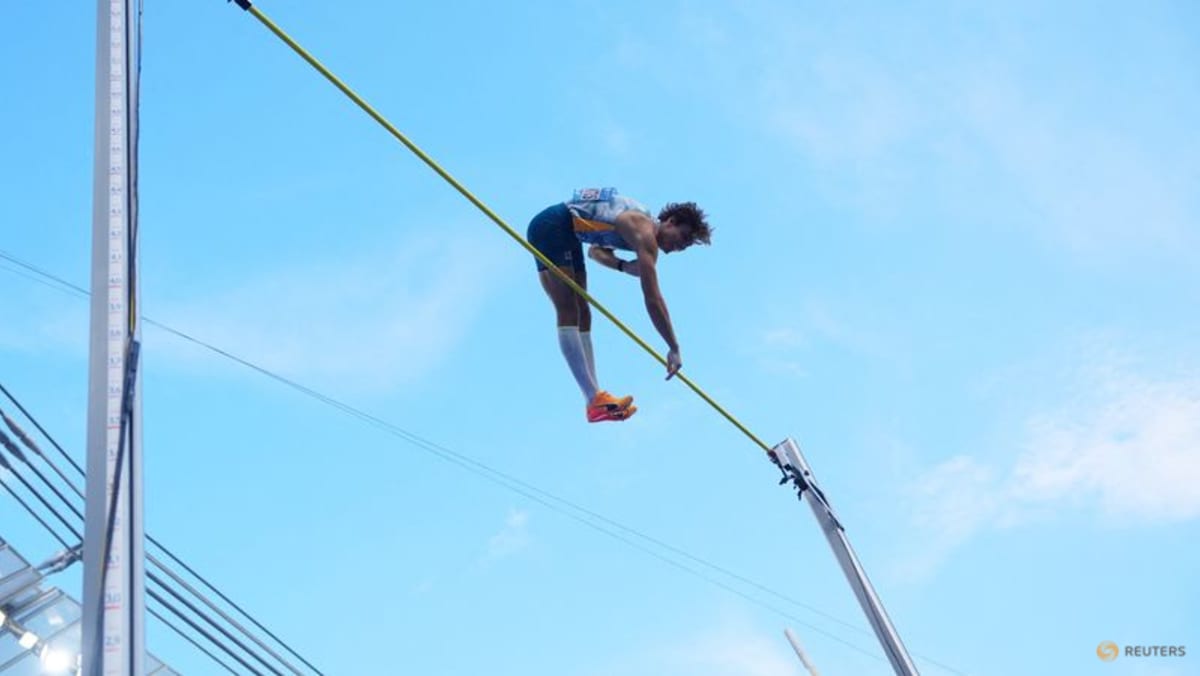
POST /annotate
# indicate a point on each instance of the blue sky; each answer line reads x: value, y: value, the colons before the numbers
x: 953, y: 257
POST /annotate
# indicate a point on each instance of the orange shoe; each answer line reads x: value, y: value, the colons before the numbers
x: 604, y: 406
x: 625, y: 413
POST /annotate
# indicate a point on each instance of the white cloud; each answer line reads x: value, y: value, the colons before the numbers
x: 949, y: 504
x: 372, y: 322
x: 785, y: 367
x: 513, y: 538
x: 732, y: 649
x: 780, y: 347
x: 1095, y: 188
x: 1126, y: 447
x: 1137, y: 454
x: 900, y: 131
x: 777, y: 348
x: 785, y: 337
x: 40, y: 318
x: 840, y: 107
x: 60, y: 329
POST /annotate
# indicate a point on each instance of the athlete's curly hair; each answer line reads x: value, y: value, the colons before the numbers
x: 687, y: 213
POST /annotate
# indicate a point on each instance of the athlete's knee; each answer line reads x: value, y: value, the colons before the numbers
x: 567, y: 316
x: 585, y: 315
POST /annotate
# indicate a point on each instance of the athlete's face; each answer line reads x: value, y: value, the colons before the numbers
x: 673, y: 237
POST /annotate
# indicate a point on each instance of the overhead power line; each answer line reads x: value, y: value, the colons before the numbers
x: 159, y: 585
x: 594, y: 520
x: 162, y: 584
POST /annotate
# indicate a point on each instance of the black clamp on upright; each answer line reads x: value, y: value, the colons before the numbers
x: 244, y: 4
x: 801, y: 477
x: 790, y: 474
x: 133, y: 351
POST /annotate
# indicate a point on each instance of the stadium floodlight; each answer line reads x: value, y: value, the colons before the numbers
x: 28, y: 640
x: 55, y: 661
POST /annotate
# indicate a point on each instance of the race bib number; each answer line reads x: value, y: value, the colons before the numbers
x: 594, y: 194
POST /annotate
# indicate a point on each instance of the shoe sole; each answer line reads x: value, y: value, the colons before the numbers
x: 615, y: 410
x: 615, y: 416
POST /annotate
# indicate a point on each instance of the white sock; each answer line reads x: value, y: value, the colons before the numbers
x: 572, y: 349
x: 586, y: 338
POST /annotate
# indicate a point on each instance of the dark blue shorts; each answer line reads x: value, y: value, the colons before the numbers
x: 553, y: 233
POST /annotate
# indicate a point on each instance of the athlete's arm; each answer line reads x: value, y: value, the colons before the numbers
x: 638, y: 231
x: 605, y: 256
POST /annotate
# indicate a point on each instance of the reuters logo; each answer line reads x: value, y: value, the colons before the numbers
x: 1107, y: 651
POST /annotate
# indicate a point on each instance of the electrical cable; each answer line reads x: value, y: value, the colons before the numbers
x: 501, y: 478
x: 29, y: 443
x: 6, y: 443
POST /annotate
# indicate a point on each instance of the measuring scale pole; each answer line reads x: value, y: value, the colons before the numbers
x: 114, y: 560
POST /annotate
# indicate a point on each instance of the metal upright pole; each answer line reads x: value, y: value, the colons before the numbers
x: 114, y: 563
x: 797, y: 470
x: 791, y: 637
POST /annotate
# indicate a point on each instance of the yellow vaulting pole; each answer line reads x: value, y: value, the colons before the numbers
x: 358, y: 100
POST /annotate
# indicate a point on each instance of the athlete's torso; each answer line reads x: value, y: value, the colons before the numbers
x: 594, y: 212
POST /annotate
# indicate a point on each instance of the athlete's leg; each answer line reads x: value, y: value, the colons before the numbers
x: 550, y: 233
x: 566, y: 312
x: 585, y: 322
x: 570, y: 306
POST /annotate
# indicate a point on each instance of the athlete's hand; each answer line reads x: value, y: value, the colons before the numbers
x: 674, y: 363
